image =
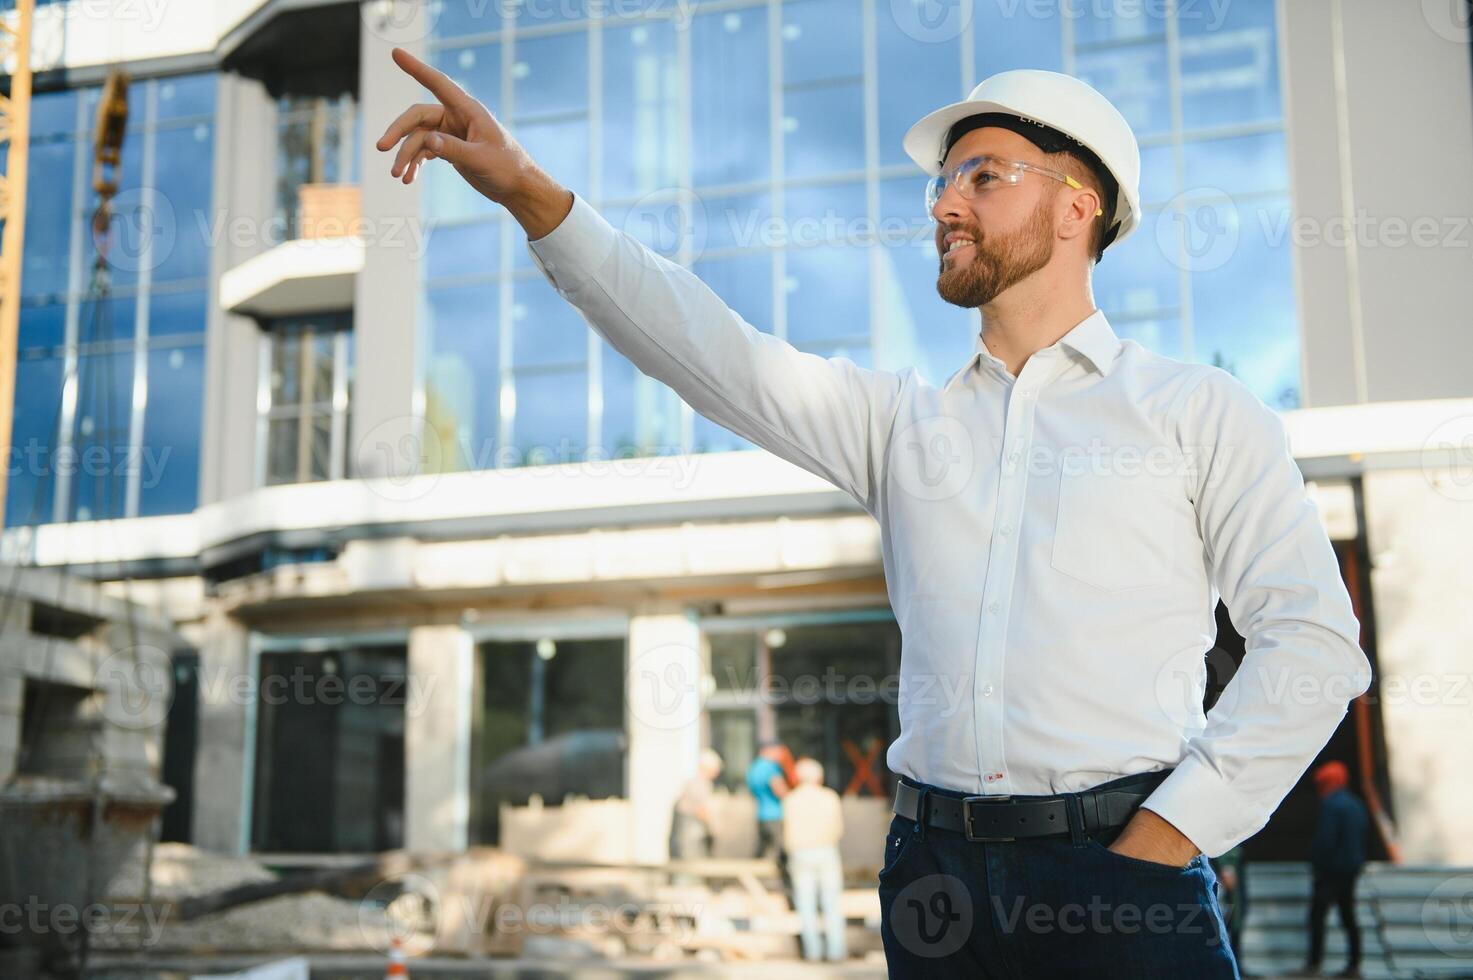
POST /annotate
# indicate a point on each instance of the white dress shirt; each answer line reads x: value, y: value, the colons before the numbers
x: 1054, y: 543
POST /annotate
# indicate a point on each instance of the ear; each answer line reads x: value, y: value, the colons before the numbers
x: 1079, y: 212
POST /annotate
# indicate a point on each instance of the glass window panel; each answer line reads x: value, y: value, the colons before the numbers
x: 169, y: 461
x: 45, y: 259
x: 546, y: 329
x: 917, y: 73
x: 641, y: 416
x: 282, y: 451
x: 825, y: 214
x: 457, y: 18
x: 1158, y: 174
x: 186, y: 95
x: 1135, y: 80
x: 42, y: 325
x: 729, y: 123
x: 319, y: 435
x: 641, y: 100
x: 1240, y: 164
x: 106, y: 321
x: 1243, y: 313
x: 828, y: 293
x: 1136, y: 275
x: 182, y: 161
x: 1008, y: 36
x: 821, y: 39
x: 286, y: 369
x: 739, y: 221
x: 52, y: 113
x: 177, y: 313
x: 32, y: 481
x: 462, y: 376
x: 550, y: 74
x: 1103, y: 23
x: 540, y: 13
x: 1230, y: 76
x: 475, y: 68
x: 664, y: 221
x: 823, y: 130
x: 100, y: 435
x: 551, y: 421
x: 464, y: 249
x: 142, y: 225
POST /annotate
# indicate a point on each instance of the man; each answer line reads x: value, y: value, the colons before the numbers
x: 768, y: 782
x: 813, y: 825
x: 1337, y: 854
x: 1058, y: 518
x: 693, y: 825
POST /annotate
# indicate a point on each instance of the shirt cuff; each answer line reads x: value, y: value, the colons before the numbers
x: 571, y: 253
x: 1196, y: 801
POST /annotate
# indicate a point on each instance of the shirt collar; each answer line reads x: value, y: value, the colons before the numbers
x: 1092, y: 337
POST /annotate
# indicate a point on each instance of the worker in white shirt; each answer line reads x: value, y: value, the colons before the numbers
x: 1059, y: 518
x: 813, y: 825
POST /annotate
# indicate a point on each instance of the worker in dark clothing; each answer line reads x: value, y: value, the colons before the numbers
x: 1232, y: 877
x: 1337, y: 854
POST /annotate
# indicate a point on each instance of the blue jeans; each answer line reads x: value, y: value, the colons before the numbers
x: 1044, y: 907
x: 818, y: 883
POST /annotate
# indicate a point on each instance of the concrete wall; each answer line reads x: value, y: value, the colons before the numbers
x: 437, y: 740
x: 1379, y: 112
x: 1420, y: 525
x: 224, y: 756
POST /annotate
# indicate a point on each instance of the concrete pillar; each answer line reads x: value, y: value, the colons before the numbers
x: 224, y: 759
x: 437, y: 739
x: 663, y: 721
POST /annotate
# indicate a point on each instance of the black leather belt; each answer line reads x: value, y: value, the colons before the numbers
x: 1005, y: 818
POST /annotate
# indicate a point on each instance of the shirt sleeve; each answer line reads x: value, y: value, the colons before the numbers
x: 827, y: 415
x: 1273, y: 564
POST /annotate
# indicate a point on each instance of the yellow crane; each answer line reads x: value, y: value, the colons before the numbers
x: 15, y: 131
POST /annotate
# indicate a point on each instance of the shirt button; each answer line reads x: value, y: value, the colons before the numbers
x: 1027, y: 392
x: 1014, y: 456
x: 1007, y: 529
x: 987, y: 691
x: 994, y: 606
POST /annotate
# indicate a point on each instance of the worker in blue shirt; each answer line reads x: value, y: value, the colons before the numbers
x: 1337, y: 854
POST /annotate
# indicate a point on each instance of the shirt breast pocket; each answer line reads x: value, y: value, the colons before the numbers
x: 1116, y: 532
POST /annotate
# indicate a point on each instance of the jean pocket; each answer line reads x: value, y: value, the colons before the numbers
x: 898, y: 843
x: 1140, y: 864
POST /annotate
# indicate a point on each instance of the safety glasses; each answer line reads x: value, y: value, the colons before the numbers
x: 980, y: 175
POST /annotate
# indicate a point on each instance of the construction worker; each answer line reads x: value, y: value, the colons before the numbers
x: 813, y: 825
x: 1059, y: 519
x: 1337, y: 856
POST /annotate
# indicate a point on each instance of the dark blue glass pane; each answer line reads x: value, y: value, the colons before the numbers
x: 1243, y: 312
x: 42, y: 325
x: 1135, y: 80
x: 640, y: 415
x: 1240, y: 164
x: 1009, y: 36
x: 32, y: 482
x: 551, y: 74
x: 100, y: 436
x: 44, y: 262
x: 547, y: 329
x: 465, y: 249
x: 183, y: 159
x: 53, y: 112
x: 916, y: 75
x: 169, y: 461
x: 821, y: 39
x: 823, y: 130
x: 144, y: 225
x: 177, y: 313
x: 641, y: 99
x: 462, y: 378
x: 186, y: 95
x: 551, y: 422
x: 729, y: 122
x: 106, y: 321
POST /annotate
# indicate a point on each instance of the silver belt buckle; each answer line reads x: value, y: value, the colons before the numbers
x: 967, y: 817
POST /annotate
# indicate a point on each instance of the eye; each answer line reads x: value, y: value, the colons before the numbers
x: 984, y: 178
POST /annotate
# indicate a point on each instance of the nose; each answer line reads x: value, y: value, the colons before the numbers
x: 950, y: 204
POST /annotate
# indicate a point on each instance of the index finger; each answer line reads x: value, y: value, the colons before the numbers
x: 433, y: 79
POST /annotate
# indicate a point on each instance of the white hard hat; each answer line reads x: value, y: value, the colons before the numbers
x: 1058, y: 101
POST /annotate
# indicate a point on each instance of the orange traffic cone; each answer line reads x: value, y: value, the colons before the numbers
x: 396, y: 961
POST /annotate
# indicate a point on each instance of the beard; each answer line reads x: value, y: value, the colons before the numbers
x: 999, y: 262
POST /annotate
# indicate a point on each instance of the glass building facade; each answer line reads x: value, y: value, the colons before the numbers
x: 109, y: 384
x: 759, y: 143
